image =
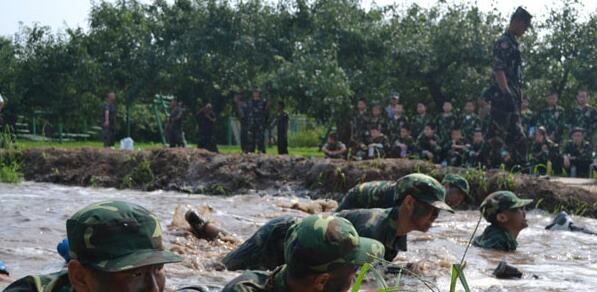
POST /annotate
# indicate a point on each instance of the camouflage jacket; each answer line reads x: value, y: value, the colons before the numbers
x: 469, y: 123
x: 583, y: 152
x: 56, y: 282
x: 359, y: 127
x: 552, y: 118
x: 496, y: 237
x: 265, y: 249
x: 418, y: 123
x: 455, y: 157
x: 380, y: 123
x: 379, y: 224
x: 427, y: 144
x: 373, y: 194
x: 506, y: 57
x: 257, y: 115
x: 334, y: 147
x: 445, y: 124
x: 410, y: 147
x: 585, y: 118
x: 543, y: 152
x: 394, y: 124
x: 258, y: 281
x: 475, y: 154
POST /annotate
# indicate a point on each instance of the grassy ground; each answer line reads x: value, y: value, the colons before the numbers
x: 296, y: 151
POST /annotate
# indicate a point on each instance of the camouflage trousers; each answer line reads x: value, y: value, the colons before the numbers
x: 507, y: 127
x: 255, y: 139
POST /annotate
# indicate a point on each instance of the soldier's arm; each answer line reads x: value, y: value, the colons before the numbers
x: 500, y: 78
x: 501, y: 52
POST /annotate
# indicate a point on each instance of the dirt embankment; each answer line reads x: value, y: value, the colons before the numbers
x: 198, y: 171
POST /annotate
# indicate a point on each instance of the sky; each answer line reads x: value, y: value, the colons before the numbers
x: 60, y: 14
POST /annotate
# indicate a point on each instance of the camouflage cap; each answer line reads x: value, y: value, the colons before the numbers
x: 501, y: 201
x: 321, y: 243
x: 424, y: 188
x: 457, y: 181
x: 114, y: 236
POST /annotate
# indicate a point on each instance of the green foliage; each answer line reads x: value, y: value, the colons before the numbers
x: 505, y: 179
x: 319, y: 56
x: 10, y: 158
x: 306, y: 138
x: 140, y: 176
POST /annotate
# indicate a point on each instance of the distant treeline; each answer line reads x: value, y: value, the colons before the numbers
x: 319, y: 56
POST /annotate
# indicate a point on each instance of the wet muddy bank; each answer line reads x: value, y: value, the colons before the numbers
x: 198, y: 171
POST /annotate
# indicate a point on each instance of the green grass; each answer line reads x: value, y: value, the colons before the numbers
x: 307, y: 152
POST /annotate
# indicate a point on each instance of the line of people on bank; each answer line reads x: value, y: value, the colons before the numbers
x: 458, y: 139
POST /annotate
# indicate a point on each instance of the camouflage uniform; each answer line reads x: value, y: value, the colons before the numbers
x: 377, y: 147
x: 580, y: 157
x: 469, y: 123
x: 418, y: 123
x: 445, y: 124
x: 257, y: 122
x: 334, y: 147
x: 394, y: 125
x: 380, y: 123
x: 583, y: 117
x: 359, y: 127
x: 552, y: 118
x: 476, y: 155
x: 318, y: 244
x: 495, y: 236
x: 505, y: 109
x: 455, y: 157
x: 411, y: 147
x: 429, y: 144
x: 387, y: 194
x: 541, y: 153
x: 110, y: 236
x: 109, y: 132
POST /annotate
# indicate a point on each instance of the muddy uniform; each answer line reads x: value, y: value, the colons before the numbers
x: 552, y: 118
x: 429, y: 144
x: 469, y: 122
x: 455, y: 157
x: 418, y: 123
x: 373, y: 194
x: 334, y: 147
x: 265, y: 249
x: 505, y: 108
x: 445, y: 124
x: 257, y: 122
x: 495, y: 236
x: 318, y: 244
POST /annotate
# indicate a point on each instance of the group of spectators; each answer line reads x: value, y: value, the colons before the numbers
x: 458, y: 138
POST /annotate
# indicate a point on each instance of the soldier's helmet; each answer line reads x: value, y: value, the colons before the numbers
x: 457, y: 181
x: 114, y: 236
x: 321, y: 243
x: 423, y: 188
x: 501, y: 201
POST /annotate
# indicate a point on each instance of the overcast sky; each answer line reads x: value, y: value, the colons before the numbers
x: 59, y: 14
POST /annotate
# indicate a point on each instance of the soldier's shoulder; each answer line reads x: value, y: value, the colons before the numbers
x: 503, y: 42
x: 248, y: 282
x: 56, y: 282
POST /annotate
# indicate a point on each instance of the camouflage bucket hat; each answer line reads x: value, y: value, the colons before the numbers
x: 457, y: 181
x: 501, y: 201
x: 424, y: 188
x: 324, y: 243
x: 114, y: 236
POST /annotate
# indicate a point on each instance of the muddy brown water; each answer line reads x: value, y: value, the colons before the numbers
x: 34, y: 215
